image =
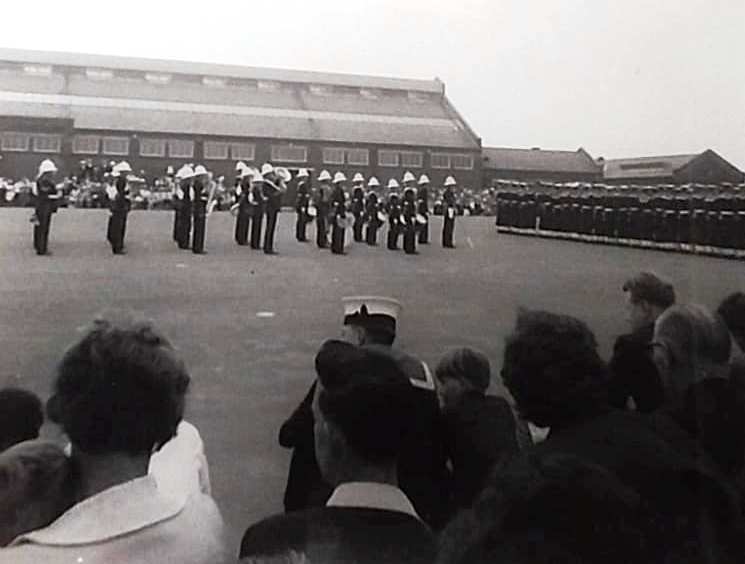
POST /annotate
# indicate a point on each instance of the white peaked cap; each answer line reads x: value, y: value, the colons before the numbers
x: 47, y: 165
x: 324, y: 175
x: 408, y: 177
x: 267, y: 168
x: 240, y: 165
x: 358, y: 178
x: 302, y: 173
x: 373, y: 181
x: 373, y: 305
x: 424, y: 179
x: 199, y: 170
x: 393, y: 183
x: 450, y: 181
x: 339, y: 177
x: 185, y: 172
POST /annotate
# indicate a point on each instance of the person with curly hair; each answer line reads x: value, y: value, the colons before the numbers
x: 119, y: 395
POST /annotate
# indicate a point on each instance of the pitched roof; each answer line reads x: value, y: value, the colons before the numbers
x: 645, y: 167
x: 217, y: 70
x: 538, y: 160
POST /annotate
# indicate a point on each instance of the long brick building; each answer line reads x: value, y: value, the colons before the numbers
x: 157, y: 113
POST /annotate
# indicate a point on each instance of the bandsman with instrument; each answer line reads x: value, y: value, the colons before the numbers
x: 374, y: 216
x: 448, y: 213
x: 339, y: 214
x: 201, y: 194
x: 242, y: 207
x: 423, y: 209
x: 393, y: 209
x: 322, y: 207
x: 46, y: 197
x: 120, y: 203
x: 256, y: 201
x: 358, y: 206
x: 182, y: 206
x: 409, y: 220
x: 302, y: 204
x: 275, y: 186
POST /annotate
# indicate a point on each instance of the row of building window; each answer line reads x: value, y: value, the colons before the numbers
x: 222, y: 150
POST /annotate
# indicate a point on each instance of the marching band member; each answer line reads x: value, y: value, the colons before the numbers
x: 182, y: 206
x: 423, y: 208
x: 409, y: 220
x: 256, y: 200
x: 242, y: 206
x: 358, y: 206
x: 448, y: 213
x: 339, y: 212
x: 46, y: 196
x: 302, y: 202
x: 274, y: 187
x: 394, y: 215
x: 322, y: 206
x: 200, y: 196
x: 119, y: 203
x: 373, y: 213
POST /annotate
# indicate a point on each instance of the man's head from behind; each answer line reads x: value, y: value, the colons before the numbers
x: 362, y: 411
x: 647, y: 296
x: 690, y: 343
x: 732, y: 310
x: 21, y: 416
x: 370, y: 320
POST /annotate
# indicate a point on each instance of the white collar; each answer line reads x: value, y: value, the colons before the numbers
x: 116, y: 511
x: 373, y: 495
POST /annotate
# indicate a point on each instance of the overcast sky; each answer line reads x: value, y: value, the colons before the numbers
x: 619, y: 78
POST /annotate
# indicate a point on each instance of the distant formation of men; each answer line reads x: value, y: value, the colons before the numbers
x: 258, y: 195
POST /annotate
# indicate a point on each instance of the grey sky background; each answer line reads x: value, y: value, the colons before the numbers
x: 619, y: 78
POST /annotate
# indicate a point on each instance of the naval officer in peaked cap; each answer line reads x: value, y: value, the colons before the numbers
x: 371, y: 321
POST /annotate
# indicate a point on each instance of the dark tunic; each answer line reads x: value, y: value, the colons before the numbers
x: 342, y: 535
x: 479, y: 431
x: 633, y: 374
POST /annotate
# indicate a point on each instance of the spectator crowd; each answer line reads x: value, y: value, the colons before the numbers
x: 638, y: 459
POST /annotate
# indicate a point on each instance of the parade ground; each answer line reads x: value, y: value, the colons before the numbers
x: 248, y: 325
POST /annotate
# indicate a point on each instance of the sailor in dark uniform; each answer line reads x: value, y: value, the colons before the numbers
x: 408, y: 214
x: 423, y: 208
x: 302, y: 202
x: 448, y: 213
x: 274, y: 189
x: 46, y: 197
x: 183, y: 206
x: 422, y: 471
x: 358, y: 206
x: 256, y: 201
x: 373, y: 212
x: 200, y: 197
x: 338, y: 214
x: 119, y: 203
x: 323, y: 206
x: 393, y: 208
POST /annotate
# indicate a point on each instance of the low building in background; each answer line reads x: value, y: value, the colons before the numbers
x: 703, y: 168
x: 527, y: 165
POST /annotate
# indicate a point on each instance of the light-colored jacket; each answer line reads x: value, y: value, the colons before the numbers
x: 132, y: 522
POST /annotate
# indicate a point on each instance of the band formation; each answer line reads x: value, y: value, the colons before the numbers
x: 365, y: 209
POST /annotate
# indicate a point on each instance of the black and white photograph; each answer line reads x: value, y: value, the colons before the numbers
x: 371, y: 282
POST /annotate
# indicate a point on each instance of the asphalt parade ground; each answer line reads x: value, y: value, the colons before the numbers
x: 248, y: 324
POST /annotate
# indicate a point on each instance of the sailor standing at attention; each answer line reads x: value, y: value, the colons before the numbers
x: 339, y: 212
x: 322, y: 195
x: 302, y: 202
x: 448, y: 213
x: 358, y: 206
